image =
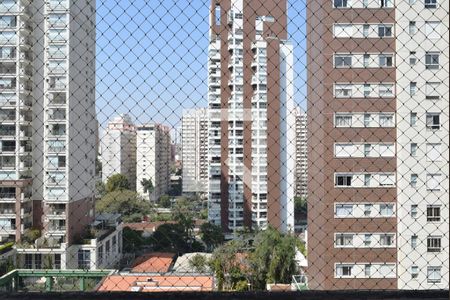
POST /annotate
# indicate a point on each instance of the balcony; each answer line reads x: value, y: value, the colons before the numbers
x: 58, y: 5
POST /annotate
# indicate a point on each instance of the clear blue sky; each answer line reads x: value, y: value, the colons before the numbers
x: 152, y: 57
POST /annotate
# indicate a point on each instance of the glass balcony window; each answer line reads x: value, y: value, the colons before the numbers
x: 7, y: 37
x: 57, y: 35
x: 58, y: 130
x: 58, y: 4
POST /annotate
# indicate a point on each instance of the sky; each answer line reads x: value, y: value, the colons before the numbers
x: 152, y: 57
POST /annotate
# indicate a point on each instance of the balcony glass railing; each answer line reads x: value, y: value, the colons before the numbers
x: 9, y: 7
x: 58, y: 4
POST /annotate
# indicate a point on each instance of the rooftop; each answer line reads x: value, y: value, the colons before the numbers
x: 142, y: 283
x: 156, y: 262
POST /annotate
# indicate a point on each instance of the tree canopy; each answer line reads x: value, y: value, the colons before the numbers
x: 117, y: 182
x: 211, y: 235
x: 129, y: 204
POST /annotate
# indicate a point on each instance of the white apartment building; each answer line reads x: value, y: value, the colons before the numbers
x: 119, y: 150
x: 251, y: 114
x: 153, y: 159
x: 301, y: 155
x: 47, y: 123
x: 422, y: 120
x: 194, y: 156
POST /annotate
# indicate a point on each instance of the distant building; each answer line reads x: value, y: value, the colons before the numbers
x: 194, y: 153
x: 301, y: 157
x: 153, y: 159
x: 119, y: 149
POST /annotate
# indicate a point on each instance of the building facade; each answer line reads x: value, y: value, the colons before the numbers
x: 194, y: 144
x: 301, y: 156
x: 119, y: 150
x: 251, y: 116
x: 153, y: 159
x: 47, y: 126
x: 378, y: 214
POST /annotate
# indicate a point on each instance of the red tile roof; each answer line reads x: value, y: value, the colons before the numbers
x: 156, y: 262
x: 132, y: 283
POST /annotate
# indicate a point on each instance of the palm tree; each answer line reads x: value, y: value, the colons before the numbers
x: 147, y: 184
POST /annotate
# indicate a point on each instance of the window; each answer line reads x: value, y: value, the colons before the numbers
x: 386, y: 239
x: 344, y: 210
x: 413, y: 181
x: 412, y: 58
x: 385, y: 60
x: 412, y: 2
x: 367, y: 240
x: 431, y: 91
x: 414, y: 211
x: 367, y: 90
x: 414, y: 272
x: 433, y: 121
x: 413, y: 149
x: 433, y: 213
x: 342, y: 61
x: 412, y: 28
x: 366, y: 30
x: 367, y: 119
x: 413, y: 119
x: 28, y: 261
x: 38, y: 261
x: 432, y: 60
x: 343, y: 239
x: 84, y: 259
x: 414, y: 241
x: 430, y: 3
x: 341, y: 3
x: 367, y: 178
x: 57, y: 262
x: 217, y: 14
x: 343, y: 120
x: 344, y: 180
x: 384, y: 30
x: 433, y: 274
x: 412, y: 88
x: 434, y: 152
x: 386, y: 120
x: 366, y: 61
x: 343, y: 270
x: 367, y: 270
x: 365, y: 3
x: 386, y: 3
x: 367, y: 209
x: 342, y: 91
x: 367, y: 150
x: 434, y: 244
x: 433, y: 30
x: 387, y: 210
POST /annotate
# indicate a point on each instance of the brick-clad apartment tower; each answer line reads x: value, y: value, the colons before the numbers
x: 251, y: 116
x: 378, y: 144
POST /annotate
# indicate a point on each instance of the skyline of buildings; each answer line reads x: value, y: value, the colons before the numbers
x: 370, y: 153
x: 378, y: 214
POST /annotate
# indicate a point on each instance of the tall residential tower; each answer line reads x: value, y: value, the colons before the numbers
x: 47, y: 124
x: 251, y: 114
x: 378, y: 121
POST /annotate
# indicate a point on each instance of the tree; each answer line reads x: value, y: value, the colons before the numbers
x: 164, y: 201
x: 183, y: 213
x: 100, y: 189
x: 132, y: 240
x: 229, y: 264
x: 273, y: 259
x: 147, y: 184
x: 199, y: 263
x: 211, y: 235
x: 117, y: 182
x: 129, y: 204
x: 173, y: 238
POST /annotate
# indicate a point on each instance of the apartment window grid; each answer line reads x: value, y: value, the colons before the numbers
x: 161, y: 141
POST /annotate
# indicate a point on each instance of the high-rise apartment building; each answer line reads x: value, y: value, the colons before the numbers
x: 153, y: 159
x: 301, y: 157
x: 194, y: 144
x: 378, y: 111
x: 47, y: 126
x: 119, y: 150
x: 251, y: 183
